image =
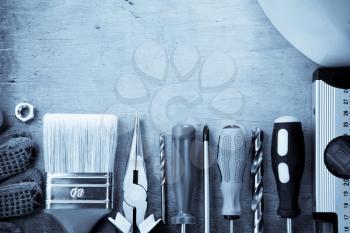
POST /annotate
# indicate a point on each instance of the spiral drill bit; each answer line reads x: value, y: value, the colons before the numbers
x: 163, y: 175
x: 257, y: 171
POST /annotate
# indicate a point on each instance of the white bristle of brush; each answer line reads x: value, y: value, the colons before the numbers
x: 79, y: 143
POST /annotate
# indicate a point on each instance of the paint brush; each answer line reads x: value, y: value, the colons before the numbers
x: 79, y: 152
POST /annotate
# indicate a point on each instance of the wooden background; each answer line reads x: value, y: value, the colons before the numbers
x: 170, y: 61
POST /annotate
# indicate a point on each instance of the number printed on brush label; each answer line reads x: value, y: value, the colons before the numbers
x: 77, y: 193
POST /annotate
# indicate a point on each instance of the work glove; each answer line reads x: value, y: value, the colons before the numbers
x: 6, y: 227
x: 16, y: 152
x: 21, y: 194
x: 20, y: 187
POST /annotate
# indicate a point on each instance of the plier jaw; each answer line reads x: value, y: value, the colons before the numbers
x: 136, y: 168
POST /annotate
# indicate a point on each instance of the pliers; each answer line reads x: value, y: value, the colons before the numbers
x: 135, y: 188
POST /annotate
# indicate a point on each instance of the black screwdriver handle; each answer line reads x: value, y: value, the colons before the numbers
x: 288, y: 160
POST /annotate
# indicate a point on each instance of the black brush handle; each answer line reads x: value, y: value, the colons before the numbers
x: 78, y: 220
x: 288, y: 159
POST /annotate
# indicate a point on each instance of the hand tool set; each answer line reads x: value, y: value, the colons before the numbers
x: 79, y: 156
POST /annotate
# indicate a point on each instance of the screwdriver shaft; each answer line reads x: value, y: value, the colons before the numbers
x: 231, y: 226
x: 206, y: 180
x: 183, y: 228
x: 289, y: 225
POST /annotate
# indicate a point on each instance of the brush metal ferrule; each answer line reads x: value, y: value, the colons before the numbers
x: 79, y: 190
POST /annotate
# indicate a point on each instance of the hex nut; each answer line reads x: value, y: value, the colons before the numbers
x: 24, y: 112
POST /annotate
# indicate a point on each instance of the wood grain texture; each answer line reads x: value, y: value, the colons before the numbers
x: 119, y: 57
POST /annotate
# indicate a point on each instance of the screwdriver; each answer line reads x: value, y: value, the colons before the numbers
x: 206, y: 179
x: 231, y: 160
x: 183, y: 137
x: 288, y: 160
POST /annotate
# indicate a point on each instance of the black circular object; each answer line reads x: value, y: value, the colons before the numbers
x: 337, y: 157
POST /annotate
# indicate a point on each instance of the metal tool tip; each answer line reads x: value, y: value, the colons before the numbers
x: 136, y: 145
x: 137, y: 121
x: 161, y: 137
x: 206, y: 133
x: 136, y: 126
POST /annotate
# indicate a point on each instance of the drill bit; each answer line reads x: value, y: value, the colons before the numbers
x: 257, y: 171
x: 163, y: 175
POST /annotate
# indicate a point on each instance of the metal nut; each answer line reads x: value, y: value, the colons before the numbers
x: 24, y: 112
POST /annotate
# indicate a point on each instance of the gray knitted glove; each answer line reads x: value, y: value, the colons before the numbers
x: 16, y: 152
x: 22, y: 193
x: 19, y: 199
x: 13, y: 132
x: 31, y: 175
x: 6, y: 227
